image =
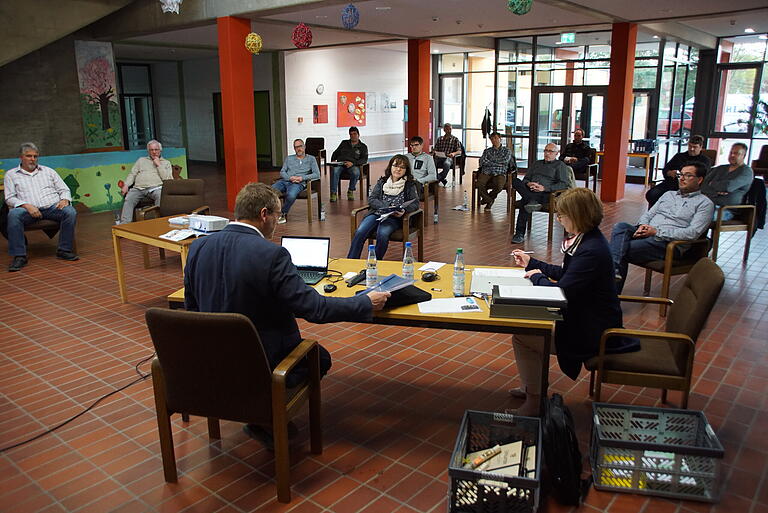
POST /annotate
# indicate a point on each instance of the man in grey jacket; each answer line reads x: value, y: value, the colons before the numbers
x: 727, y: 184
x: 678, y: 215
x: 296, y: 172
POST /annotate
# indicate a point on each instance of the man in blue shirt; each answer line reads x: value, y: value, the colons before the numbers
x: 297, y: 170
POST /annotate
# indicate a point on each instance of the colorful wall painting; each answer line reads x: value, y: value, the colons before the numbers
x: 350, y: 109
x: 94, y: 179
x: 319, y: 114
x: 98, y: 94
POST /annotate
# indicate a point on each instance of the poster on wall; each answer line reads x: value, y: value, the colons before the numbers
x: 98, y: 95
x: 371, y: 104
x: 350, y: 109
x: 319, y: 114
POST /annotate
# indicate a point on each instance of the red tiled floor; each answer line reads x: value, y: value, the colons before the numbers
x: 392, y: 402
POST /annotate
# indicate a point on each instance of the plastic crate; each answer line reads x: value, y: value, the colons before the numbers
x: 474, y: 491
x: 654, y: 451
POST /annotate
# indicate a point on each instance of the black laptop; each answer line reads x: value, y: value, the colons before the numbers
x: 309, y: 255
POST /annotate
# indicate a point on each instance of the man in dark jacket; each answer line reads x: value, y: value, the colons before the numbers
x: 352, y: 154
x: 577, y: 153
x: 673, y: 167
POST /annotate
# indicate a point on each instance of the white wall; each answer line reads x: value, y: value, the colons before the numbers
x: 363, y: 69
x: 201, y: 80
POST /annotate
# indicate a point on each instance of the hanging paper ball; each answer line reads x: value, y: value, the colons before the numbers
x: 253, y: 43
x: 350, y: 17
x: 302, y: 36
x: 519, y: 7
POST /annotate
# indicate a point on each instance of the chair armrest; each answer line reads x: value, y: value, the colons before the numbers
x: 669, y: 255
x: 353, y: 220
x: 200, y: 210
x: 313, y: 185
x: 321, y: 153
x: 141, y: 215
x: 645, y: 299
x: 417, y: 215
x: 290, y: 361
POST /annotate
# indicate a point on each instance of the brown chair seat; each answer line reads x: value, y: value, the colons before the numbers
x: 656, y: 357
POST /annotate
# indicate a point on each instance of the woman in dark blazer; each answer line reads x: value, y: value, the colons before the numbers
x: 587, y: 280
x: 396, y: 187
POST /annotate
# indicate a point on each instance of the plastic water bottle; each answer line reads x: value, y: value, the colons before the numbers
x: 458, y: 273
x: 408, y: 262
x: 466, y: 200
x: 371, y: 271
x: 435, y: 218
x: 322, y: 211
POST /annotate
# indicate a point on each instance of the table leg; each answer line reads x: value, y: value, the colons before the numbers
x: 549, y: 339
x: 116, y: 244
x: 183, y: 251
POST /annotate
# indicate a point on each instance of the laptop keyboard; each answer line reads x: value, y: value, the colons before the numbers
x: 311, y: 276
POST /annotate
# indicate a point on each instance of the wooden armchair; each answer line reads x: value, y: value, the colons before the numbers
x: 550, y: 208
x: 413, y: 224
x: 665, y: 359
x: 428, y: 190
x: 313, y: 191
x: 364, y: 184
x: 213, y: 365
x: 507, y: 187
x: 744, y: 219
x: 760, y: 166
x: 592, y: 169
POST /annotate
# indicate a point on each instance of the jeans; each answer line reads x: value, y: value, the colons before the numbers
x: 625, y: 250
x: 383, y: 230
x: 528, y: 196
x: 290, y: 191
x: 18, y: 218
x: 353, y: 173
x: 133, y: 198
x: 446, y: 164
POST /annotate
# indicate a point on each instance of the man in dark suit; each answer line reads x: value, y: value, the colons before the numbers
x: 240, y: 270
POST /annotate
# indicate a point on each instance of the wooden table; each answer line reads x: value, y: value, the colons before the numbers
x: 650, y: 162
x: 411, y: 316
x: 146, y: 232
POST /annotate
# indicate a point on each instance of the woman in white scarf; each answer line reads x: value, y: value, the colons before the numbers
x: 394, y: 189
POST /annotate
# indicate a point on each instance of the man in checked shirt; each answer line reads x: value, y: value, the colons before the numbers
x: 494, y: 164
x: 34, y: 192
x: 446, y: 149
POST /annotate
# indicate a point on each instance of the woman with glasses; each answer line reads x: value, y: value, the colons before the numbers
x: 396, y: 188
x: 587, y: 280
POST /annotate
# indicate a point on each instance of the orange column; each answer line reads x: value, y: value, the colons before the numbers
x: 419, y: 88
x: 618, y: 112
x: 239, y: 124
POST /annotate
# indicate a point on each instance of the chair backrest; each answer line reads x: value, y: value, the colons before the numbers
x: 213, y: 363
x: 711, y: 155
x: 313, y: 145
x: 181, y: 196
x: 592, y: 156
x: 762, y: 160
x: 695, y: 300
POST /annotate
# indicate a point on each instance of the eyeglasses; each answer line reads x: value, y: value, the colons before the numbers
x: 550, y: 151
x: 686, y: 176
x: 398, y: 166
x: 414, y: 144
x: 559, y: 216
x: 298, y: 146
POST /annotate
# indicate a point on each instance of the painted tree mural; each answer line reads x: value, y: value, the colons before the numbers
x: 98, y: 79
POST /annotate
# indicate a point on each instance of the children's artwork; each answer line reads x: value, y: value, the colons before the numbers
x: 386, y: 104
x: 319, y: 114
x: 372, y: 102
x: 351, y: 109
x: 98, y: 95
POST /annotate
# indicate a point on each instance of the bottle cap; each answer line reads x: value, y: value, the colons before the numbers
x: 459, y: 250
x: 408, y: 244
x: 371, y: 247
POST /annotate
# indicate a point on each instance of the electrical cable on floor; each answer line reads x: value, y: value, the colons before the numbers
x: 141, y: 378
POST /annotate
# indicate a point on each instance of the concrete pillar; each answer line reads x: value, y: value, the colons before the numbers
x: 419, y: 87
x: 239, y: 125
x: 618, y: 111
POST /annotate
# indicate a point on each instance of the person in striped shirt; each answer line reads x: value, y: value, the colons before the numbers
x: 34, y: 192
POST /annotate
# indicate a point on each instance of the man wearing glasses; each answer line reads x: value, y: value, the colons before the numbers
x: 422, y: 164
x: 678, y: 215
x: 297, y: 170
x: 543, y: 177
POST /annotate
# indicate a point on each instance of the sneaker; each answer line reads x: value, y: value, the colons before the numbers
x: 532, y: 207
x: 17, y: 263
x: 334, y: 197
x: 518, y: 238
x: 282, y: 219
x: 350, y: 195
x: 67, y: 255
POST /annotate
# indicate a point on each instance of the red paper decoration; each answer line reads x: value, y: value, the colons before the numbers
x: 302, y: 36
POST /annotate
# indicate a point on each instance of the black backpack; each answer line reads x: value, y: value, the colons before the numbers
x: 562, y: 456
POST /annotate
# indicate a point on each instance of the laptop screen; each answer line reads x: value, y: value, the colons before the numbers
x: 308, y: 253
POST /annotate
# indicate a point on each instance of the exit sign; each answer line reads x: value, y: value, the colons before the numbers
x: 568, y: 37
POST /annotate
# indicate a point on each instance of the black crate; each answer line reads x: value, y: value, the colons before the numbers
x: 474, y: 491
x: 655, y: 451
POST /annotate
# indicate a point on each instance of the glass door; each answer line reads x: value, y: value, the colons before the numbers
x: 452, y: 104
x: 138, y: 121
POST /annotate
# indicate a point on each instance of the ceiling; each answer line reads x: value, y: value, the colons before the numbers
x: 453, y: 27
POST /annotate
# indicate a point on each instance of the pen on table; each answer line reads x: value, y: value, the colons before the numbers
x: 523, y: 252
x: 436, y: 290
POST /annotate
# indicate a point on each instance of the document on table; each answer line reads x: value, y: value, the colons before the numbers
x: 483, y: 279
x: 179, y: 235
x: 431, y: 266
x: 541, y: 293
x: 450, y: 305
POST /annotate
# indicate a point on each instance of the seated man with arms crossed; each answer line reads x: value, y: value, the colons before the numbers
x: 145, y: 180
x: 422, y: 164
x: 240, y: 270
x: 449, y: 146
x: 297, y: 170
x: 32, y: 193
x: 543, y: 177
x: 727, y: 184
x: 495, y: 162
x: 672, y: 168
x: 678, y: 215
x: 577, y: 153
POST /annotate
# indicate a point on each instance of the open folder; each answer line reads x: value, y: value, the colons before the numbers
x: 391, y: 283
x: 403, y: 291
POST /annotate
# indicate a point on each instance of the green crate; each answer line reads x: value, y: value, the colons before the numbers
x: 655, y: 451
x: 472, y: 491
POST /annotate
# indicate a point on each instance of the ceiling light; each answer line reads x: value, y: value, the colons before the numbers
x: 655, y: 37
x: 749, y: 30
x: 319, y: 17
